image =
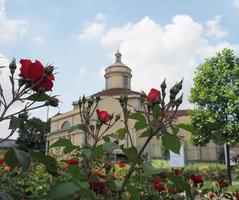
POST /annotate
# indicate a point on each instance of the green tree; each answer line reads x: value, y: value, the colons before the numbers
x: 32, y: 134
x: 215, y: 95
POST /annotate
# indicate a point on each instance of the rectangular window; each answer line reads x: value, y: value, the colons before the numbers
x: 107, y: 83
x: 125, y: 81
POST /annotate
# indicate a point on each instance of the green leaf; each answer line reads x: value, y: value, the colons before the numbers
x: 138, y: 117
x: 134, y: 192
x: 150, y: 170
x: 5, y: 196
x: 98, y: 152
x: 88, y: 193
x: 180, y: 183
x: 186, y: 127
x: 121, y: 132
x: 140, y: 125
x: 69, y: 149
x: 131, y: 153
x: 171, y: 142
x: 87, y: 152
x: 78, y: 126
x: 49, y: 162
x: 106, y: 138
x: 23, y: 158
x: 144, y: 134
x: 62, y: 143
x: 109, y: 146
x: 11, y: 158
x: 39, y: 97
x: 15, y: 122
x: 156, y: 111
x: 76, y: 173
x: 63, y: 190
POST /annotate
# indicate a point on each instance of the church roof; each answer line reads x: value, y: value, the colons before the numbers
x: 116, y: 92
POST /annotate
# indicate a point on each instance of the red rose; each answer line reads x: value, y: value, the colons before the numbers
x: 35, y: 71
x: 101, y: 186
x: 153, y: 96
x: 103, y: 116
x: 121, y: 165
x: 156, y: 179
x: 72, y: 161
x: 197, y: 179
x: 159, y: 186
x: 30, y: 70
x: 172, y: 190
x: 99, y: 175
x: 236, y: 194
x: 2, y: 161
x: 222, y: 183
x: 177, y: 171
x: 46, y: 85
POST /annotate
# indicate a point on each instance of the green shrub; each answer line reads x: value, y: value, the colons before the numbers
x: 33, y: 184
x: 210, y: 171
x: 161, y: 164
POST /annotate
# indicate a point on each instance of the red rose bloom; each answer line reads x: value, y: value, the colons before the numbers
x: 72, y: 161
x: 101, y: 186
x: 2, y: 161
x: 30, y: 70
x: 236, y: 194
x: 155, y: 179
x: 172, y: 190
x: 159, y: 186
x: 197, y: 179
x: 153, y: 96
x: 103, y: 116
x: 34, y: 71
x: 177, y: 171
x: 222, y: 183
x: 121, y: 165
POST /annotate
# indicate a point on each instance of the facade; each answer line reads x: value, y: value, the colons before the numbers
x: 117, y: 83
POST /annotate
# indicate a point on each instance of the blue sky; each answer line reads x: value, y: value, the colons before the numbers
x: 157, y: 38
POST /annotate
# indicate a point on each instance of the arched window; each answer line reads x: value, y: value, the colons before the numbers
x: 66, y: 124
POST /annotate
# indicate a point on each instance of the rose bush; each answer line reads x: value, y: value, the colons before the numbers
x: 89, y: 173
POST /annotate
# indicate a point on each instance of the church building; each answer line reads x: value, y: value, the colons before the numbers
x: 117, y: 83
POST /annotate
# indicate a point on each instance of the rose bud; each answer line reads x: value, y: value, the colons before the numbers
x: 174, y: 91
x: 153, y: 96
x: 163, y: 85
x: 53, y: 102
x: 121, y: 165
x: 12, y: 66
x: 179, y: 100
x: 103, y: 116
x: 49, y: 69
x: 97, y: 98
x: 2, y: 161
x: 72, y: 161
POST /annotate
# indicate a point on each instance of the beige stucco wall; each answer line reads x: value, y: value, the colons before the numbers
x: 112, y: 106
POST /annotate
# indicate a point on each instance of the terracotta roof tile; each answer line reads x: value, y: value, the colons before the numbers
x: 116, y: 92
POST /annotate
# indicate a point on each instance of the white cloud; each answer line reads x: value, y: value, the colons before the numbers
x: 82, y: 71
x: 100, y: 17
x: 172, y: 51
x: 94, y: 29
x: 214, y: 29
x: 10, y: 30
x: 39, y: 40
x: 236, y: 3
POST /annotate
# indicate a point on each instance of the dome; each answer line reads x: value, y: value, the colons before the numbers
x: 118, y: 75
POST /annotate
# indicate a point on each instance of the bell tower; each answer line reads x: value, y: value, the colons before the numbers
x: 118, y: 75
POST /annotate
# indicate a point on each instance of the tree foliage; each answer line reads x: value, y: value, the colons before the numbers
x: 216, y: 96
x: 32, y: 134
